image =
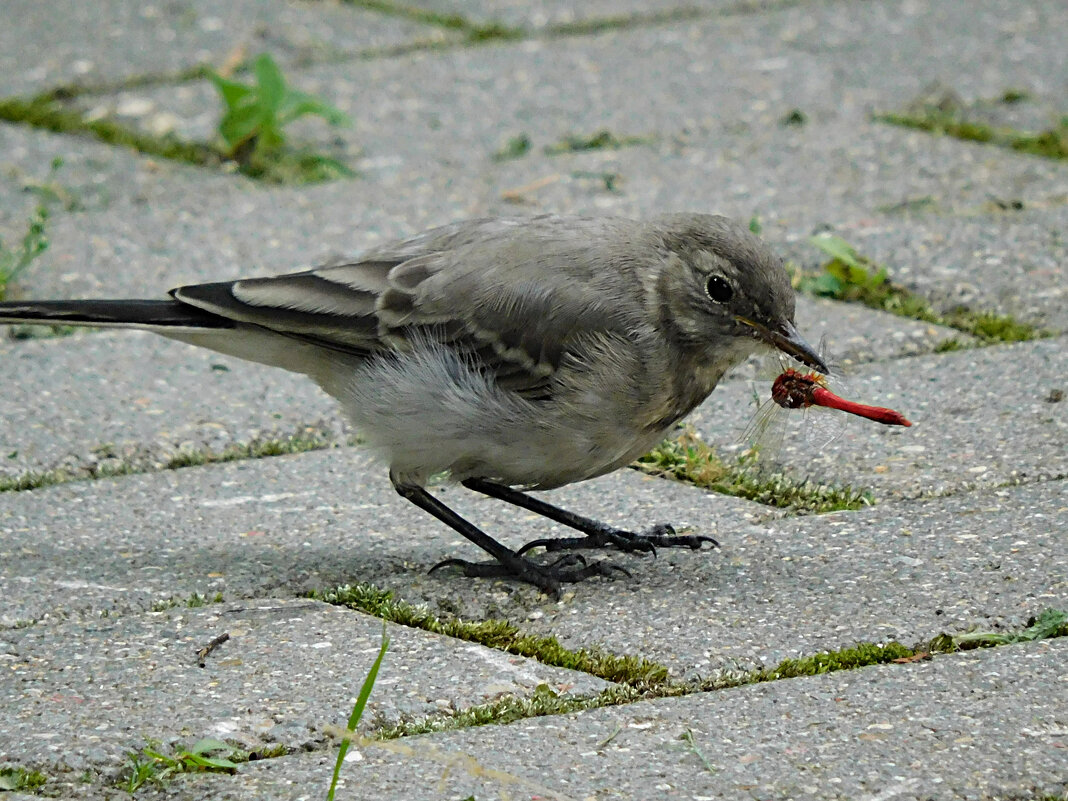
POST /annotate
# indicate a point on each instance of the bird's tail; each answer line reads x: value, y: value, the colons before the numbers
x: 162, y: 316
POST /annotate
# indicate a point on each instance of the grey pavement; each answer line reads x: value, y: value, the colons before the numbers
x: 975, y: 725
x: 968, y: 529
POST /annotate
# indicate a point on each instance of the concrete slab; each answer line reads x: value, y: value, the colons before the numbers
x: 983, y: 724
x: 982, y: 418
x: 99, y: 399
x: 1010, y: 262
x: 82, y: 695
x: 286, y: 525
x: 44, y: 44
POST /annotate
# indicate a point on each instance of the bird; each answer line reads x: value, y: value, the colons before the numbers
x: 505, y: 354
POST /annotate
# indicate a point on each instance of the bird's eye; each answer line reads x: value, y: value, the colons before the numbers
x: 718, y: 289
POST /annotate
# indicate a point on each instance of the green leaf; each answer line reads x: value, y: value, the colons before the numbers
x: 357, y: 711
x: 272, y: 86
x: 231, y: 92
x: 207, y: 745
x: 837, y: 248
x: 827, y: 285
x: 242, y: 124
x: 298, y: 104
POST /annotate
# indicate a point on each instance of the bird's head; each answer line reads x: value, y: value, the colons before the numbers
x: 725, y: 292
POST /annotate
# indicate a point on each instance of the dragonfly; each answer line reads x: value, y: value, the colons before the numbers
x: 801, y: 389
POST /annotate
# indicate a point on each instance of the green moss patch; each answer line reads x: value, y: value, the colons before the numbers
x: 688, y: 458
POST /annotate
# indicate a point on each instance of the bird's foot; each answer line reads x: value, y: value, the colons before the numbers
x: 567, y: 569
x: 660, y: 536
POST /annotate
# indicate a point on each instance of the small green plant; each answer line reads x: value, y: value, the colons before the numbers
x: 601, y: 140
x: 516, y: 147
x: 357, y: 712
x: 1051, y: 623
x: 34, y: 242
x: 18, y: 779
x: 847, y: 272
x: 256, y: 115
x: 855, y: 278
x: 155, y: 766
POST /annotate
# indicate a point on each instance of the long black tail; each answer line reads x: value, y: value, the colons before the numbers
x: 158, y: 315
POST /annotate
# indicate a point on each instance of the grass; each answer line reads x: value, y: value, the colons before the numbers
x: 14, y: 778
x: 852, y: 277
x: 256, y: 449
x: 544, y: 701
x: 152, y: 765
x: 357, y: 712
x: 498, y: 634
x: 687, y: 458
x: 1051, y: 143
x: 1049, y: 624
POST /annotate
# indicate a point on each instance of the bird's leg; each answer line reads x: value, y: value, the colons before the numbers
x: 509, y: 564
x: 598, y: 534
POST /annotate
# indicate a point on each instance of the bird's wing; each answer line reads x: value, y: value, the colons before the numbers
x: 511, y: 295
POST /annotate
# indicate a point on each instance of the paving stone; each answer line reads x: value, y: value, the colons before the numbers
x: 1013, y: 263
x: 58, y: 42
x: 99, y: 399
x: 84, y: 694
x: 792, y: 586
x: 287, y: 525
x: 748, y: 70
x: 977, y: 725
x: 982, y: 418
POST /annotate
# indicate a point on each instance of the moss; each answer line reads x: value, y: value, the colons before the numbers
x: 43, y: 112
x: 473, y: 31
x: 601, y: 140
x: 854, y: 278
x: 309, y: 440
x: 1051, y: 143
x: 283, y: 166
x: 688, y: 458
x: 14, y: 778
x: 634, y: 672
x: 509, y: 709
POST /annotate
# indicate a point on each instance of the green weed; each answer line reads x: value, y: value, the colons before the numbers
x: 21, y: 780
x: 851, y: 277
x: 256, y: 115
x: 151, y: 765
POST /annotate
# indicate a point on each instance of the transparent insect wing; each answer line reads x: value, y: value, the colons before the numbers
x: 766, y: 429
x: 769, y: 427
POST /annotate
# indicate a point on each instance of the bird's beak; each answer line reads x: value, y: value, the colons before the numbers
x: 789, y: 340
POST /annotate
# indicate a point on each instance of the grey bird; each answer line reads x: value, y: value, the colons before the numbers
x: 509, y: 354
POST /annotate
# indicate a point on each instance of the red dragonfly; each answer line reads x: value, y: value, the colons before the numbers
x: 793, y: 389
x: 797, y: 389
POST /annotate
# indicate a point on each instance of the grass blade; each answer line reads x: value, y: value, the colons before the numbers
x: 357, y: 712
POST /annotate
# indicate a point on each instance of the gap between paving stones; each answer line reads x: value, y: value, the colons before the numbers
x: 637, y: 678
